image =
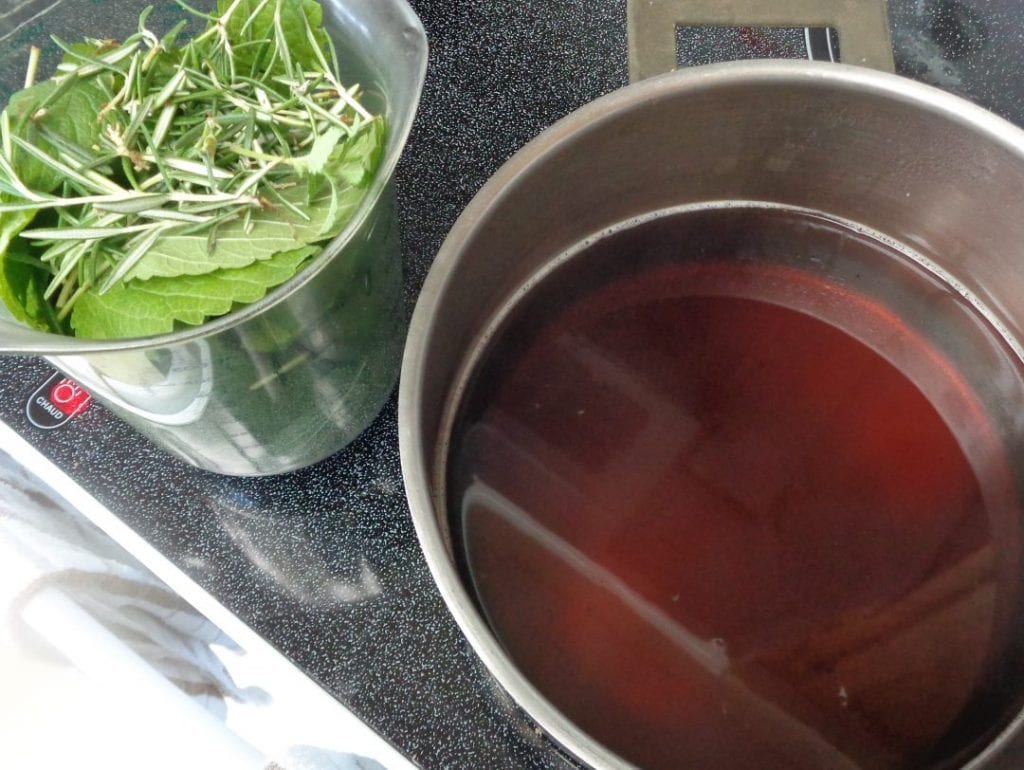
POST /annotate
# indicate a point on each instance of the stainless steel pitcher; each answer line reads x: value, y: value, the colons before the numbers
x: 290, y: 379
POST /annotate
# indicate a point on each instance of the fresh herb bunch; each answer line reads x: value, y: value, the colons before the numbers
x: 148, y: 185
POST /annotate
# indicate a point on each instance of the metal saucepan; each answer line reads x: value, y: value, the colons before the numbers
x: 922, y: 168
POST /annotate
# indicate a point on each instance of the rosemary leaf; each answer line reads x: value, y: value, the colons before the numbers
x: 82, y: 233
x: 138, y: 251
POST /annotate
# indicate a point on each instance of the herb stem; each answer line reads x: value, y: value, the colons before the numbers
x: 69, y: 303
x: 33, y: 66
x: 66, y: 292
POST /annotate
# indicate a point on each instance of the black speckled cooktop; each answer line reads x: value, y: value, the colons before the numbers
x: 324, y: 562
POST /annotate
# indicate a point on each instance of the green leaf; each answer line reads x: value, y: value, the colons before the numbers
x: 357, y: 159
x: 22, y: 282
x: 72, y: 115
x: 22, y: 105
x: 274, y: 229
x: 11, y: 224
x: 300, y: 49
x: 320, y: 152
x: 142, y: 308
x: 353, y: 160
x: 344, y: 202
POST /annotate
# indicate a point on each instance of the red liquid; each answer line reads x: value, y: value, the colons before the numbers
x: 718, y: 531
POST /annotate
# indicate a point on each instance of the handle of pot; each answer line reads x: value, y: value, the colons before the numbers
x: 862, y: 26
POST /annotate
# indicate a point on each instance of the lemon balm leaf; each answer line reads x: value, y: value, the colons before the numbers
x: 357, y: 160
x: 238, y: 243
x: 72, y: 115
x: 22, y: 280
x: 254, y: 20
x: 320, y: 152
x: 157, y: 306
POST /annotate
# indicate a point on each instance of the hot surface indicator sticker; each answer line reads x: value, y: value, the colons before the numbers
x: 56, y: 401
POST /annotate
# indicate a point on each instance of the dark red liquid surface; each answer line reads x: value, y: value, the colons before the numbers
x: 719, y: 531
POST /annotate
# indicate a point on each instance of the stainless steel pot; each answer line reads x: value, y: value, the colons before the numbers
x: 922, y: 168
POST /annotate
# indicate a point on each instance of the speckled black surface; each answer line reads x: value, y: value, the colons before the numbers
x: 324, y: 562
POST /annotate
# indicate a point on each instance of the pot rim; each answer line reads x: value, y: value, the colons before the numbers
x: 419, y: 454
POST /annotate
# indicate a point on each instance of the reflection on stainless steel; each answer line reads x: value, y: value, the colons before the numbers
x: 170, y: 386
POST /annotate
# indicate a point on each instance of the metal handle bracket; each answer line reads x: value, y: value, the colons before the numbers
x: 862, y: 25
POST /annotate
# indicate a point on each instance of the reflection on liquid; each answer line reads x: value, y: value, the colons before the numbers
x: 749, y: 542
x: 710, y: 654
